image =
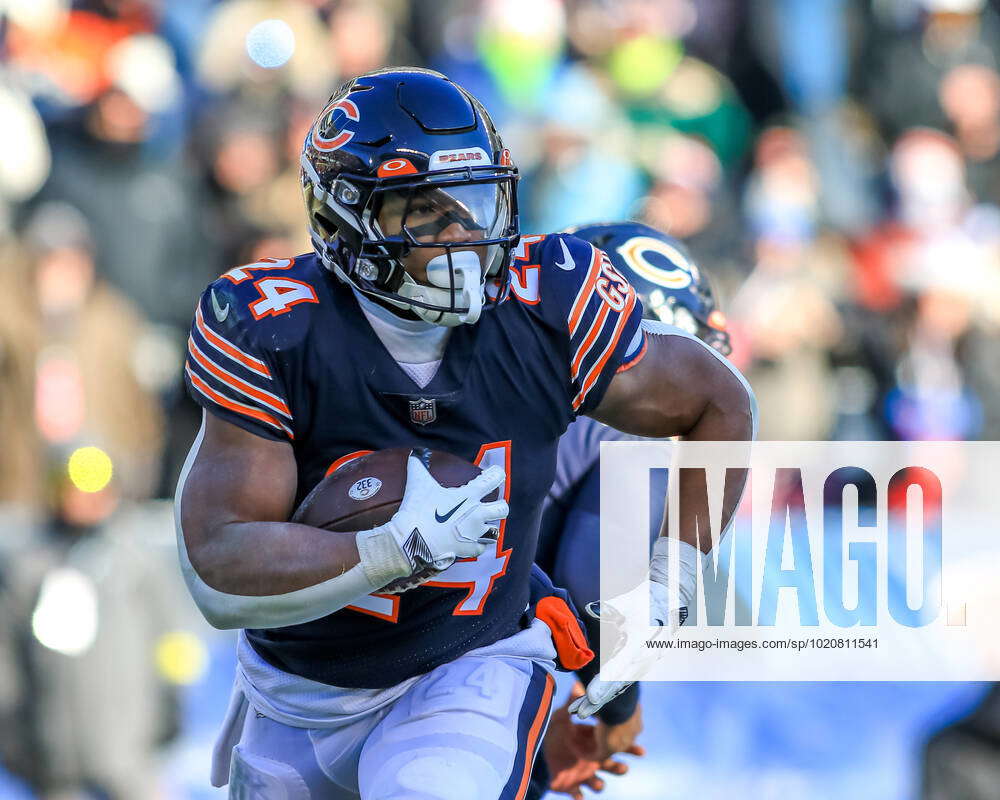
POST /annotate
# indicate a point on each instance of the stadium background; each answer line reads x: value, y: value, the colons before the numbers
x: 835, y: 164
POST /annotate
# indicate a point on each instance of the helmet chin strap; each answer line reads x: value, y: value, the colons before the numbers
x: 468, y: 291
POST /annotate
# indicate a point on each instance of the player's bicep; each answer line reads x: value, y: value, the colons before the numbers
x: 233, y: 476
x: 679, y: 383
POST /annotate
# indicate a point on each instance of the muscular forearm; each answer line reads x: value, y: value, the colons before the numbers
x: 267, y: 558
x: 727, y: 418
x: 267, y: 575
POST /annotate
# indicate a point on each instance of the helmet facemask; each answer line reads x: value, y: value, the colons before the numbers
x: 467, y: 222
x: 467, y: 214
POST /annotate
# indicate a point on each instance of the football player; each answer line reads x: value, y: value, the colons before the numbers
x: 675, y: 291
x: 421, y: 318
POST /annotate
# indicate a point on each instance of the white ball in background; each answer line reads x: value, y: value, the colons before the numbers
x: 270, y: 43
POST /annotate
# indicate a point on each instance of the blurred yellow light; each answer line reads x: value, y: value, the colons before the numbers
x: 90, y: 469
x: 181, y: 657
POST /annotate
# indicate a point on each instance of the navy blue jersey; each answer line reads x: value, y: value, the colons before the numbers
x: 282, y: 349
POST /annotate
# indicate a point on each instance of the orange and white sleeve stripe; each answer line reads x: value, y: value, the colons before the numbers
x: 229, y: 379
x: 602, y: 334
x: 227, y: 348
x: 586, y: 292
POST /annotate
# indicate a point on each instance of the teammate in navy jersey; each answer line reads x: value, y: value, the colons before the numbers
x: 674, y: 290
x: 421, y: 319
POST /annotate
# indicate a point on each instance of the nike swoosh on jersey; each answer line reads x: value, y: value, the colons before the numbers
x: 220, y: 312
x: 447, y: 516
x: 567, y: 263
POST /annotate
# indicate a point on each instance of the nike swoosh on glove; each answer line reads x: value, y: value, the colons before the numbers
x: 434, y: 525
x: 631, y: 656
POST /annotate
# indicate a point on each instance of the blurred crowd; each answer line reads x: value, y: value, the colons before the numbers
x: 833, y: 164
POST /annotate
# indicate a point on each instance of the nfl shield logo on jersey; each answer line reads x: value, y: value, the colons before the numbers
x: 423, y: 411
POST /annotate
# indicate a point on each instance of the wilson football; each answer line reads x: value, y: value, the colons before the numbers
x: 366, y: 492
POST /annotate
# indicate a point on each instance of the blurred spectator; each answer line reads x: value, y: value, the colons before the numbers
x: 21, y: 463
x: 25, y: 158
x: 788, y: 326
x: 520, y: 43
x: 970, y: 97
x: 143, y: 206
x: 365, y: 35
x: 931, y: 399
x: 62, y: 53
x: 76, y: 364
x: 87, y: 647
x: 931, y: 199
x: 244, y: 166
x: 251, y: 166
x: 584, y: 142
x: 785, y: 314
x: 640, y: 45
x: 687, y: 174
x: 903, y: 68
x: 507, y: 54
x: 692, y: 198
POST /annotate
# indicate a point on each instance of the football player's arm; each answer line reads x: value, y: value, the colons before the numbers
x: 247, y: 568
x: 244, y: 565
x: 683, y: 387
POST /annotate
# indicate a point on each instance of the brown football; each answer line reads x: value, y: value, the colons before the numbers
x: 366, y: 492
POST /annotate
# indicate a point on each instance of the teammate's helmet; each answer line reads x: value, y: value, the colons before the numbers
x: 672, y: 287
x: 396, y: 157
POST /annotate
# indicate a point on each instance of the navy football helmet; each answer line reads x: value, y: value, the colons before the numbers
x: 403, y: 159
x: 672, y: 287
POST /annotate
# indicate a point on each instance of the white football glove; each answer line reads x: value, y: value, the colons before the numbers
x: 630, y: 655
x: 433, y: 526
